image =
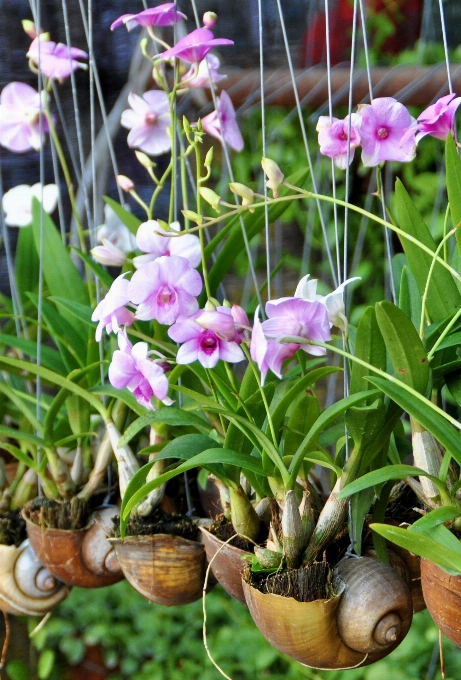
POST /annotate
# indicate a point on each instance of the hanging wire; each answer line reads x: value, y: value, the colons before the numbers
x: 306, y: 144
x: 263, y: 134
x: 445, y: 46
x: 230, y: 172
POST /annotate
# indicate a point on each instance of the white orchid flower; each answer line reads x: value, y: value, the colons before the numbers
x: 334, y: 302
x: 17, y: 202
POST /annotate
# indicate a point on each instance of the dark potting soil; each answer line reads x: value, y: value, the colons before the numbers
x: 12, y: 528
x: 307, y: 584
x: 159, y: 522
x: 223, y: 529
x: 402, y: 500
x: 67, y: 515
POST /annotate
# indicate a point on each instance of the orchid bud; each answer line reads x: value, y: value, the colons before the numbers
x: 29, y: 28
x: 210, y: 19
x: 192, y: 216
x: 144, y: 160
x: 186, y: 125
x: 125, y: 183
x: 209, y: 157
x: 210, y: 306
x: 245, y: 193
x: 109, y: 254
x: 211, y: 197
x: 274, y: 174
x: 44, y: 37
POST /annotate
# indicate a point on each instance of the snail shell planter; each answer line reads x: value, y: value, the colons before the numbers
x: 166, y: 569
x: 365, y: 622
x: 27, y: 588
x: 81, y: 557
x: 227, y: 564
x: 442, y: 593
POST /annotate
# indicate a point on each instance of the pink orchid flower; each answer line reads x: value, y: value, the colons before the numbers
x: 438, y: 119
x: 148, y: 121
x: 132, y: 368
x: 288, y: 317
x: 150, y: 241
x: 384, y: 122
x: 21, y: 108
x: 226, y: 131
x: 204, y: 75
x: 164, y: 289
x: 194, y: 47
x: 55, y: 60
x: 207, y: 337
x: 334, y: 138
x: 111, y: 311
x: 162, y: 15
x: 333, y: 302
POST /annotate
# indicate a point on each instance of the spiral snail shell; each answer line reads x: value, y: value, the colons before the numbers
x: 27, y: 588
x: 82, y: 557
x: 363, y: 623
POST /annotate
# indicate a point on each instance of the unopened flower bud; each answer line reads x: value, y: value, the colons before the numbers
x: 192, y: 216
x: 210, y: 306
x: 211, y: 197
x: 209, y: 157
x: 274, y: 175
x: 245, y: 193
x: 29, y: 28
x: 125, y: 183
x: 144, y: 160
x: 210, y: 19
x: 109, y: 254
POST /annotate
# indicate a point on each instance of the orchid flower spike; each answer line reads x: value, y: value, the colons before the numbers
x: 222, y: 123
x: 162, y: 15
x: 383, y: 125
x: 334, y: 138
x: 21, y: 108
x: 333, y: 302
x: 194, y: 47
x: 55, y: 60
x: 274, y: 175
x: 148, y: 121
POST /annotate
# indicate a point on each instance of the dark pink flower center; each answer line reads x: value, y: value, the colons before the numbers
x: 383, y: 132
x: 343, y: 136
x: 150, y: 118
x: 166, y: 295
x: 209, y: 342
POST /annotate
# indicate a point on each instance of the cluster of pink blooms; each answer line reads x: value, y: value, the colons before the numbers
x: 385, y: 130
x: 148, y: 119
x: 164, y: 287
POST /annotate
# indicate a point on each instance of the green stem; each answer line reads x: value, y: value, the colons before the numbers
x: 444, y: 334
x: 263, y: 395
x: 198, y: 163
x: 428, y: 280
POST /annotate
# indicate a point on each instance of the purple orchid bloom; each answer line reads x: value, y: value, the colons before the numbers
x: 162, y: 15
x: 242, y: 324
x: 21, y: 108
x: 226, y: 131
x: 384, y: 123
x: 55, y: 60
x: 194, y: 47
x: 204, y: 75
x: 132, y: 368
x: 150, y: 241
x: 208, y: 336
x: 148, y: 120
x: 288, y: 317
x: 111, y: 311
x: 164, y: 289
x: 334, y: 138
x: 438, y: 119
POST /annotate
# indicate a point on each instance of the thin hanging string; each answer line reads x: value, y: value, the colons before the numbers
x: 54, y: 158
x: 263, y: 135
x: 363, y: 23
x: 445, y: 46
x: 306, y: 145
x: 231, y: 174
x: 66, y: 132
x: 102, y: 107
x: 330, y: 113
x: 78, y: 126
x: 16, y: 301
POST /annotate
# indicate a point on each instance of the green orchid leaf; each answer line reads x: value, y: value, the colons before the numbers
x: 174, y: 417
x: 21, y: 456
x: 404, y: 346
x: 424, y: 546
x: 385, y: 474
x: 49, y: 357
x: 409, y: 296
x: 27, y: 263
x: 123, y: 395
x: 128, y: 219
x: 435, y: 517
x: 424, y: 413
x: 443, y: 298
x: 453, y: 176
x: 369, y: 346
x: 95, y: 267
x: 81, y: 312
x: 328, y: 416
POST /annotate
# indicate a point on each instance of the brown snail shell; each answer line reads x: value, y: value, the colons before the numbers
x: 409, y: 567
x: 27, y: 588
x: 442, y: 593
x: 82, y: 557
x: 166, y: 569
x: 375, y: 601
x: 227, y: 566
x: 376, y: 608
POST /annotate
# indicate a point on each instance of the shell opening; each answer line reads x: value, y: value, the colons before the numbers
x: 387, y: 630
